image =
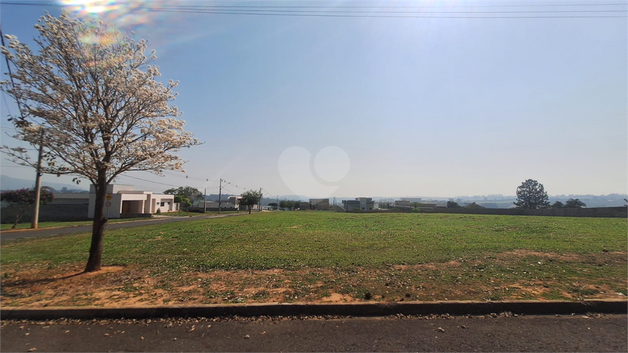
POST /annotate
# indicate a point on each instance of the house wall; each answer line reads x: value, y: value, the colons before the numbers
x: 112, y: 211
x: 126, y: 201
x: 164, y: 203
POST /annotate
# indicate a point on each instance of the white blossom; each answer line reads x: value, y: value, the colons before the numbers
x: 94, y: 94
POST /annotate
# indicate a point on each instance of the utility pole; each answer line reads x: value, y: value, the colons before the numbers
x: 205, y: 202
x: 35, y: 220
x: 259, y: 206
x: 219, y: 195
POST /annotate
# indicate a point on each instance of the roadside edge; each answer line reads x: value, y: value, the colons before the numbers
x: 304, y: 309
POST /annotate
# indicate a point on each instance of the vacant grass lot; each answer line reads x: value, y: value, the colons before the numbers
x: 323, y: 256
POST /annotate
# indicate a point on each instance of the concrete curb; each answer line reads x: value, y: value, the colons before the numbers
x: 357, y: 310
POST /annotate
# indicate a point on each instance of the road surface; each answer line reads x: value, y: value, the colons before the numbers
x: 479, y: 333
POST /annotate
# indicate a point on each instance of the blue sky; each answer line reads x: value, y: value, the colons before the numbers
x: 419, y: 106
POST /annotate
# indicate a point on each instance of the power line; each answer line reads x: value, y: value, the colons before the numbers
x: 14, y: 166
x: 188, y: 177
x: 185, y: 176
x: 56, y: 4
x: 146, y: 180
x: 233, y: 192
x: 385, y: 11
x: 400, y: 14
x: 155, y: 182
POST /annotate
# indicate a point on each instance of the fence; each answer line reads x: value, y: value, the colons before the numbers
x: 48, y: 213
x: 610, y: 212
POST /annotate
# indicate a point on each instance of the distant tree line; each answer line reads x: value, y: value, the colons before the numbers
x: 532, y: 195
x: 454, y: 204
x: 289, y: 204
x: 571, y: 203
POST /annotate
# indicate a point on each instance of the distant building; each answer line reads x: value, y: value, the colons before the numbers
x: 227, y: 203
x: 383, y: 205
x: 319, y: 204
x: 359, y: 204
x: 402, y: 204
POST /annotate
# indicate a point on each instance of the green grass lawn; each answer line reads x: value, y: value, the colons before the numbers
x: 378, y: 256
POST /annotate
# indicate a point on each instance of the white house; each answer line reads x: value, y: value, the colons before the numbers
x: 125, y: 201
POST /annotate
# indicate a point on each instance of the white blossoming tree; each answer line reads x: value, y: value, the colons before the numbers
x: 91, y: 97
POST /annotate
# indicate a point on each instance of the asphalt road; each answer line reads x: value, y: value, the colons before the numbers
x: 601, y: 333
x: 46, y: 232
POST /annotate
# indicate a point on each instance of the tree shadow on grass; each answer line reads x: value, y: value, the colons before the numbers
x: 22, y: 283
x: 19, y: 282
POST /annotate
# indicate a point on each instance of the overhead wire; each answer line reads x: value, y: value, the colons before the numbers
x: 399, y: 11
x: 189, y: 177
x: 375, y: 13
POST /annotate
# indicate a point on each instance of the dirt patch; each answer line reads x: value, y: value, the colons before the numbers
x: 526, y: 253
x: 338, y: 298
x: 431, y: 266
x: 505, y: 277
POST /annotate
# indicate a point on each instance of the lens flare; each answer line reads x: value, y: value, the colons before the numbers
x: 90, y: 6
x: 139, y: 18
x: 127, y: 15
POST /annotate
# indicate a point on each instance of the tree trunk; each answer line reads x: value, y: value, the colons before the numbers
x: 250, y: 208
x: 98, y: 228
x: 17, y: 220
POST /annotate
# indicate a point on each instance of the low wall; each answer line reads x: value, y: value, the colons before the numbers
x: 201, y: 209
x: 609, y: 212
x: 136, y: 215
x: 48, y: 213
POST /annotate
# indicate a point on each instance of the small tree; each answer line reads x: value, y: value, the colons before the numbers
x: 23, y: 199
x: 452, y: 204
x: 184, y: 195
x: 250, y: 198
x: 574, y: 203
x: 473, y: 205
x: 183, y: 202
x: 558, y: 204
x: 90, y: 97
x: 531, y: 195
x: 288, y: 204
